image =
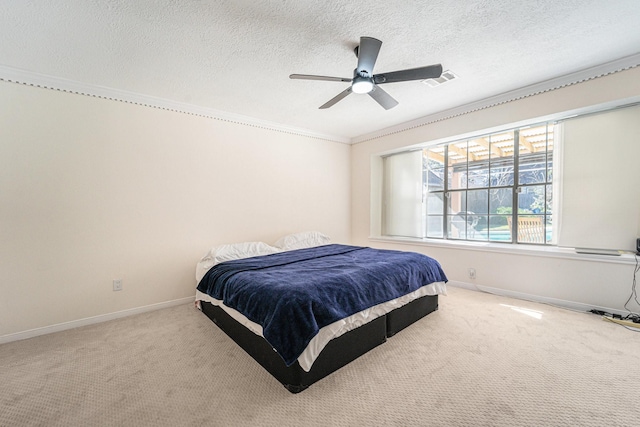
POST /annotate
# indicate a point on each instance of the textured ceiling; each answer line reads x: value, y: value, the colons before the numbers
x: 236, y: 56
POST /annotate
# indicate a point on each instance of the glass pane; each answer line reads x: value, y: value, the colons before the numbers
x: 501, y: 172
x: 478, y: 149
x: 433, y: 167
x: 457, y: 153
x: 434, y: 157
x: 478, y: 159
x: 434, y: 226
x: 456, y: 202
x: 463, y: 225
x: 533, y: 168
x: 549, y: 228
x: 435, y: 179
x: 533, y: 155
x: 501, y: 160
x: 501, y: 201
x: 501, y: 145
x: 478, y: 173
x: 435, y: 203
x: 549, y: 199
x: 531, y: 200
x: 550, y: 148
x: 457, y: 226
x: 531, y: 229
x: 477, y: 229
x: 499, y: 230
x: 477, y: 201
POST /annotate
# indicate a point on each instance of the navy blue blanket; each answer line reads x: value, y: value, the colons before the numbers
x: 293, y: 294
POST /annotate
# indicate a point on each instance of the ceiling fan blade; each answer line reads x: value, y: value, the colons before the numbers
x: 420, y: 73
x: 383, y: 98
x: 336, y: 98
x: 324, y: 78
x: 367, y: 55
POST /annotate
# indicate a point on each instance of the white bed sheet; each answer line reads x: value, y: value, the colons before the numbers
x: 337, y: 328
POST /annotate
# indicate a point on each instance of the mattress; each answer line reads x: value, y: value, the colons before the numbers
x: 338, y: 328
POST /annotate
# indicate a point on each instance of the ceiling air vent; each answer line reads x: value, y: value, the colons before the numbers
x: 446, y: 76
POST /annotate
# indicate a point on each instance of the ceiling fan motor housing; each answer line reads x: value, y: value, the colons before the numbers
x: 361, y: 83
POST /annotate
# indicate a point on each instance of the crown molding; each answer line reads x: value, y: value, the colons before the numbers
x: 30, y: 78
x: 525, y: 92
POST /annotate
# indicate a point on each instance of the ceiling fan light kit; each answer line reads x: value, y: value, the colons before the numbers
x: 364, y: 81
x: 361, y: 85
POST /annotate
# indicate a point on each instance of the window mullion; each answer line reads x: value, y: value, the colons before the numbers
x: 516, y: 185
x: 445, y: 199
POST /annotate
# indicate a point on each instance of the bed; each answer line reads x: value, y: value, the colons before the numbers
x: 303, y: 311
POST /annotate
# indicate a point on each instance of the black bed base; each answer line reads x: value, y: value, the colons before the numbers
x: 336, y: 354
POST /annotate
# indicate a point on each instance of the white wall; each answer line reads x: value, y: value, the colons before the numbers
x: 93, y: 190
x: 588, y: 280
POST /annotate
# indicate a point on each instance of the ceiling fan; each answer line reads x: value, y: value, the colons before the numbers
x: 364, y: 81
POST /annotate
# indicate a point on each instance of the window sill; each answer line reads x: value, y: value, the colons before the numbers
x: 625, y: 257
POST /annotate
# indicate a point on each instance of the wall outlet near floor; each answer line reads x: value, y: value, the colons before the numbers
x: 472, y: 273
x: 117, y: 285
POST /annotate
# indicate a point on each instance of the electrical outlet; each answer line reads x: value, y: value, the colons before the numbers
x: 117, y: 285
x: 472, y: 273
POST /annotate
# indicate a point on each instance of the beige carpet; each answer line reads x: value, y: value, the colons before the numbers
x: 481, y: 360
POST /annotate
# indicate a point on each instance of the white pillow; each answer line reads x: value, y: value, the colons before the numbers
x: 305, y: 239
x: 230, y: 252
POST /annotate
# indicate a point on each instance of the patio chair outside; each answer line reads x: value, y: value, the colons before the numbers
x: 531, y: 229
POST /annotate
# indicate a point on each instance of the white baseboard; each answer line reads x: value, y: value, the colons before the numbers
x: 463, y: 285
x: 91, y: 320
x: 571, y: 305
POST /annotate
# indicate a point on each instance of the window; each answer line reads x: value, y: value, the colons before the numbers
x: 571, y: 183
x: 470, y: 188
